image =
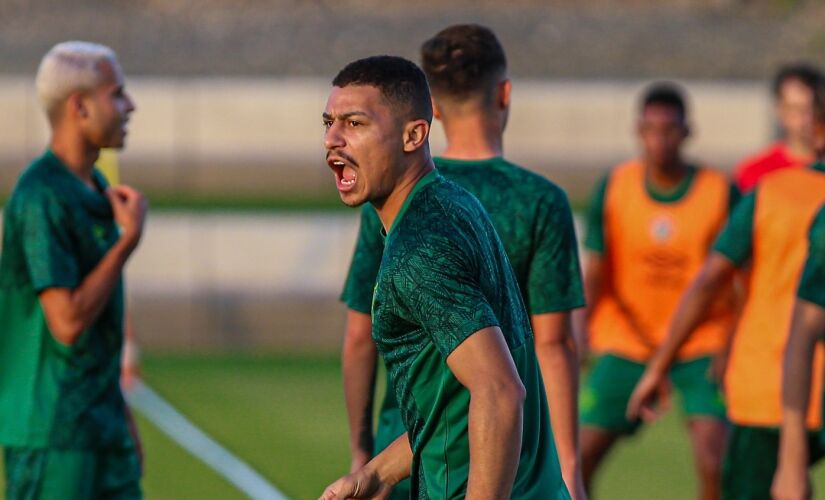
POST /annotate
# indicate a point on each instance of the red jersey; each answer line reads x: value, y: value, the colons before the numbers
x: 775, y: 157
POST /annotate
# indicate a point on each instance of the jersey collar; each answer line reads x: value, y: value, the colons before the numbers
x: 422, y: 182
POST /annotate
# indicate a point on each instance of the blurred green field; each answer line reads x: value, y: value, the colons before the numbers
x: 284, y: 415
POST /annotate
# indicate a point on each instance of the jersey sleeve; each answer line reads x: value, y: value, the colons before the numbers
x: 366, y: 260
x: 438, y: 284
x: 554, y: 282
x: 736, y: 239
x: 812, y: 283
x: 734, y: 197
x: 594, y: 239
x: 47, y: 242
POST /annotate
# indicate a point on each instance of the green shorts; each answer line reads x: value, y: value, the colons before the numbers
x: 606, y: 392
x: 51, y: 473
x: 751, y: 459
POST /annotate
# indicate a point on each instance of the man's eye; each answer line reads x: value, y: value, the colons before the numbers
x: 327, y: 123
x: 354, y: 123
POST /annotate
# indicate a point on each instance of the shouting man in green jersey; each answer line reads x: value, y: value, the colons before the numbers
x: 447, y: 313
x: 63, y: 422
x: 467, y: 71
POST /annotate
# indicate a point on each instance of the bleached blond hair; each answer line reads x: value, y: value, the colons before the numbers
x: 70, y: 67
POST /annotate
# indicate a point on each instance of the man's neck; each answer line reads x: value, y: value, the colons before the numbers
x: 389, y: 208
x: 472, y: 137
x: 668, y: 176
x: 798, y: 148
x: 76, y: 154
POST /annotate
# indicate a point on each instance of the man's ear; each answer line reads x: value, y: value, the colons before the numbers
x: 416, y: 133
x: 75, y: 105
x: 436, y: 110
x: 503, y: 90
x: 819, y: 138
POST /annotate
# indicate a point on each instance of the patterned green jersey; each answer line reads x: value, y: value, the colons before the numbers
x: 56, y: 231
x: 812, y: 283
x: 445, y: 275
x: 533, y: 219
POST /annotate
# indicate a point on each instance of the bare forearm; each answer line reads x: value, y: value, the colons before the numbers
x: 393, y: 464
x: 495, y: 430
x: 806, y: 327
x: 559, y: 370
x: 359, y: 367
x: 359, y: 360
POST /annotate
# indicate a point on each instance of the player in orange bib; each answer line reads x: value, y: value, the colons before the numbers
x: 768, y: 231
x: 649, y: 230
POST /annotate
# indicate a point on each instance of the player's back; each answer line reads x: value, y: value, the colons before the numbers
x: 532, y: 217
x: 785, y: 204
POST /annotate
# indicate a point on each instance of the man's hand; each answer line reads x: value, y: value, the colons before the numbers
x: 791, y: 483
x: 650, y: 398
x: 363, y: 483
x: 129, y: 208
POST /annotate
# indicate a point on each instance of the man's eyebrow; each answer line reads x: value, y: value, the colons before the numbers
x: 344, y: 116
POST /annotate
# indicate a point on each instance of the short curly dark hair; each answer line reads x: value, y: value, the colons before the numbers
x: 665, y: 94
x: 463, y: 60
x: 401, y: 82
x: 805, y: 73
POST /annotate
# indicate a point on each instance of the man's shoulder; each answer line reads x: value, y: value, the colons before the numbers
x: 767, y: 156
x: 34, y: 185
x: 443, y: 211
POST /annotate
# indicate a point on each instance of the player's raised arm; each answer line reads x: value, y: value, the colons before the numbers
x: 69, y: 311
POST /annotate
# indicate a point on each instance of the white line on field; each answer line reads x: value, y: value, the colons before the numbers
x: 198, y: 443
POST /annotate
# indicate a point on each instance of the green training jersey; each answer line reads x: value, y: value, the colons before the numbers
x: 445, y: 275
x: 56, y: 231
x: 812, y: 283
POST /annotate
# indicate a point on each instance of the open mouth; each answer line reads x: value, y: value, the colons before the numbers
x: 345, y: 174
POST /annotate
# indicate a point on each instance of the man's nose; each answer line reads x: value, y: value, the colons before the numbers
x: 333, y: 138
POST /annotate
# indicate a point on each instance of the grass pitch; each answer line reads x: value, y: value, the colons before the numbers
x: 284, y: 415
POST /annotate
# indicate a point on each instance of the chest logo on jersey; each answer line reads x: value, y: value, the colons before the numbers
x: 662, y: 228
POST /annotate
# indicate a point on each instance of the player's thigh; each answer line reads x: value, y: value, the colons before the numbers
x: 605, y: 394
x: 47, y: 473
x: 701, y: 395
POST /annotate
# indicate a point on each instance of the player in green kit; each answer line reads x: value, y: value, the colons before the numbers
x: 64, y: 425
x: 467, y: 71
x: 791, y: 480
x: 448, y: 317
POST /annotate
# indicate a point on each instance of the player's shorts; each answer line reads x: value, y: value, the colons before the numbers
x: 57, y: 474
x: 606, y: 392
x: 751, y: 459
x: 389, y: 428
